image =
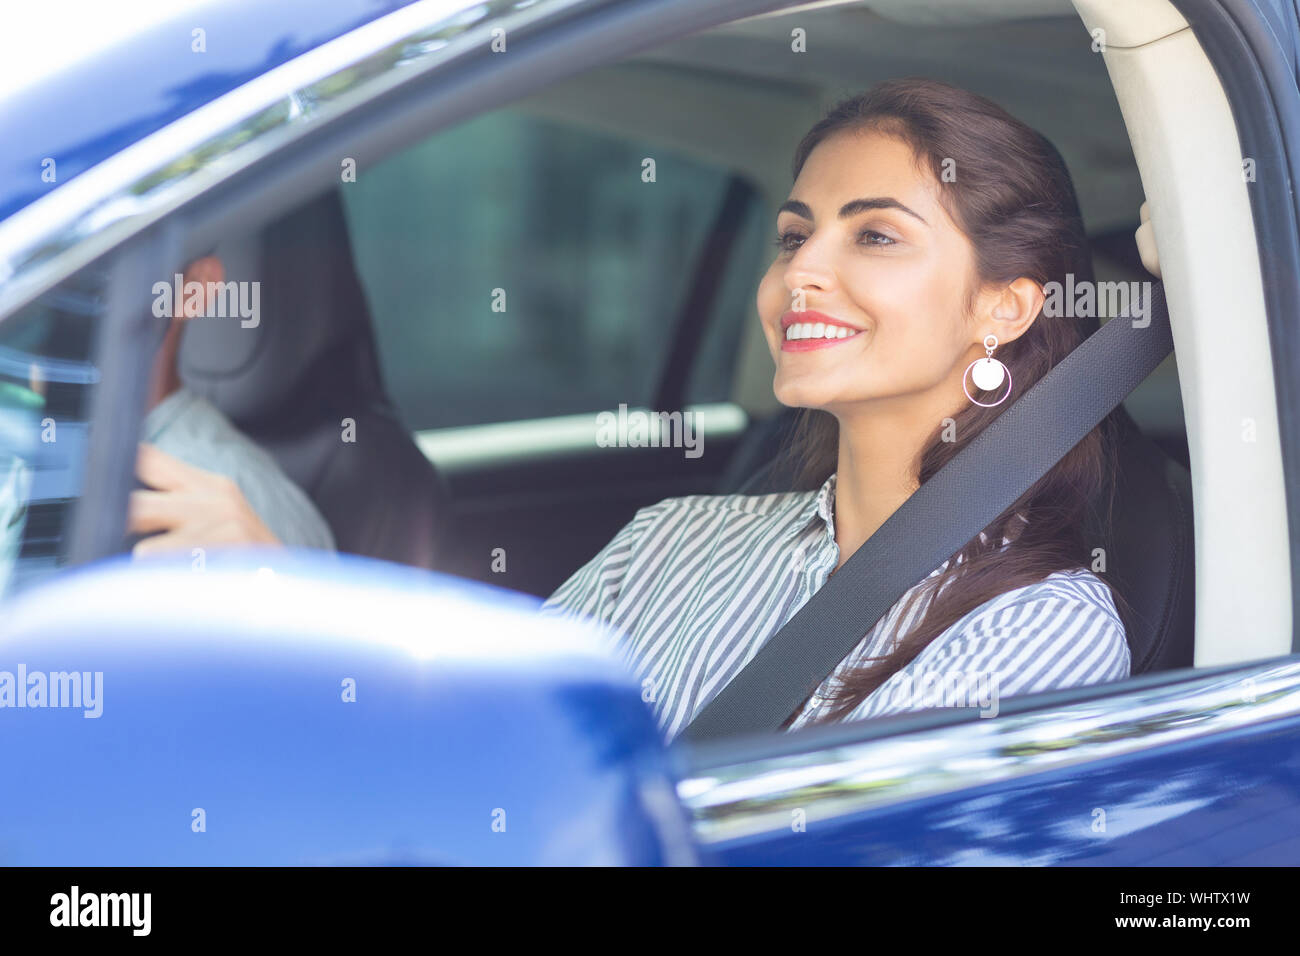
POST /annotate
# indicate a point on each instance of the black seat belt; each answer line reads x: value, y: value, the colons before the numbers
x: 959, y: 501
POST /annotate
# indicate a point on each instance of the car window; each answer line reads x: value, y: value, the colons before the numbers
x: 46, y: 380
x: 520, y: 268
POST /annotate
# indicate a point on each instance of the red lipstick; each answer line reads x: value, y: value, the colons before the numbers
x: 806, y: 331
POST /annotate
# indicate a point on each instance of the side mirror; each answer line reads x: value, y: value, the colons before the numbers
x: 290, y: 708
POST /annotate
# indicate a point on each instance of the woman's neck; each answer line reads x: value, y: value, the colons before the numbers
x: 878, y: 469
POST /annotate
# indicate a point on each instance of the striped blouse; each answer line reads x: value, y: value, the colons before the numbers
x: 692, y: 588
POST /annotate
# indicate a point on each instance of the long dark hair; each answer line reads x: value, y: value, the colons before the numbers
x: 1013, y: 198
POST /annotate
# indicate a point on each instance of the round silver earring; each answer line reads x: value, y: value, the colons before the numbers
x: 988, y: 374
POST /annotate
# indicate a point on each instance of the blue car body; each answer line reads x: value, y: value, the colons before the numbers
x: 102, y: 103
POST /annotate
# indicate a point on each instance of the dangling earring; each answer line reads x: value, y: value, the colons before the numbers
x: 988, y: 374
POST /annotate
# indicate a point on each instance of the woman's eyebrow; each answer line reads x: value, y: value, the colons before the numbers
x: 851, y: 208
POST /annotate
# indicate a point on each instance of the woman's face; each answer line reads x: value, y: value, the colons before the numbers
x: 868, y: 252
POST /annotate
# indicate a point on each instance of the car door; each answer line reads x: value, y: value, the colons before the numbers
x: 1176, y: 769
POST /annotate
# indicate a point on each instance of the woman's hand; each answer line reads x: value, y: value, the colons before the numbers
x: 190, y: 508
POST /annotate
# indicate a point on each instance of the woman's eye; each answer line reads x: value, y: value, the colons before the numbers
x: 873, y: 238
x: 787, y: 241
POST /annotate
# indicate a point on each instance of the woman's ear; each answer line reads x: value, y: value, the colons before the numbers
x: 1013, y: 310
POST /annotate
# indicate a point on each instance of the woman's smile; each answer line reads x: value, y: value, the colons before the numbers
x: 804, y: 331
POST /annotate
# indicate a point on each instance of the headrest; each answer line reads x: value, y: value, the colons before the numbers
x: 309, y: 349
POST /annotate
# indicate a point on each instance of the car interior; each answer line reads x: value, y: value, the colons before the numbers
x: 370, y: 302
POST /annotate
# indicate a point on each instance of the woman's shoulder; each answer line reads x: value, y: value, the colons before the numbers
x: 1067, y: 615
x: 1081, y: 587
x: 1068, y: 593
x: 1061, y: 631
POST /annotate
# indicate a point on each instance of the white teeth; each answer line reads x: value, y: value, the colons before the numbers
x: 819, y: 330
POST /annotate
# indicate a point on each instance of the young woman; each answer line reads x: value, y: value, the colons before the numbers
x: 911, y: 257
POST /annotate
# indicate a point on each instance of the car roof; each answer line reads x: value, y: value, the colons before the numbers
x: 128, y: 69
x: 79, y: 97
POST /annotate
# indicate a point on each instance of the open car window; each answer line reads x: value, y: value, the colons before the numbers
x: 518, y: 267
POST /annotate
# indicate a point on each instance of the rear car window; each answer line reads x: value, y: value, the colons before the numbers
x: 520, y: 268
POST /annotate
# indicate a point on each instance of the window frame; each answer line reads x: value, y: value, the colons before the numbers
x: 1261, y: 90
x: 125, y: 345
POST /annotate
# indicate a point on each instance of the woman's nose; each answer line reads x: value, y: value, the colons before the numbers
x: 809, y: 269
x: 807, y: 273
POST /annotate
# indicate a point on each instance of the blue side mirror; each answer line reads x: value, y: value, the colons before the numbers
x: 286, y: 708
